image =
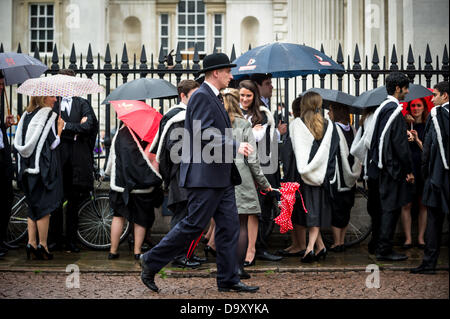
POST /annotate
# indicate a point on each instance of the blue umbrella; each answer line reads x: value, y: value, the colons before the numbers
x: 284, y: 60
x: 18, y: 67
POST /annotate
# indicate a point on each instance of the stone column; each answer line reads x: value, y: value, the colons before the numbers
x: 6, y: 19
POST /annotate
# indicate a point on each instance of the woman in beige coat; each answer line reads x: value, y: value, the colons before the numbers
x: 252, y: 176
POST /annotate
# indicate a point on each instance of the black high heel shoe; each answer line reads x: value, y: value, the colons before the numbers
x: 250, y: 263
x: 209, y: 250
x: 321, y: 254
x: 309, y: 258
x: 43, y: 252
x: 113, y: 256
x: 31, y: 251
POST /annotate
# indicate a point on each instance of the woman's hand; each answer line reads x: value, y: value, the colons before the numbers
x: 267, y: 190
x: 410, y: 136
x: 9, y: 121
x: 415, y: 135
x: 83, y: 120
x: 60, y: 125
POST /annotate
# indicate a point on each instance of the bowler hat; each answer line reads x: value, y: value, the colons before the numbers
x: 216, y: 61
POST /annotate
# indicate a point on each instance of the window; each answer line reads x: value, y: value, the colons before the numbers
x: 41, y: 27
x: 191, y: 25
x: 164, y: 32
x: 218, y: 32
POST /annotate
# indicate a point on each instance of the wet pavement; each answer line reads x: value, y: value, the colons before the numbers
x: 340, y: 275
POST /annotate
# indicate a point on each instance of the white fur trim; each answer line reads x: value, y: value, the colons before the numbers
x: 439, y: 135
x: 361, y: 143
x: 37, y: 132
x: 312, y: 173
x: 351, y: 174
x: 394, y: 114
x: 180, y: 117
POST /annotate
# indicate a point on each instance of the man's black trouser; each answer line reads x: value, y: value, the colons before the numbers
x: 433, y: 236
x: 6, y: 197
x: 374, y: 210
x: 203, y: 203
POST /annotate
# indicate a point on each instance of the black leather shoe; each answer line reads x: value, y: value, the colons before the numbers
x: 44, y: 253
x: 321, y: 254
x: 72, y: 247
x: 407, y: 246
x: 209, y: 250
x: 239, y: 287
x: 423, y: 270
x: 309, y: 258
x: 285, y: 253
x: 393, y: 256
x: 148, y: 276
x: 113, y: 256
x: 198, y: 259
x: 243, y: 274
x: 184, y: 262
x: 249, y: 263
x: 9, y: 246
x: 267, y: 256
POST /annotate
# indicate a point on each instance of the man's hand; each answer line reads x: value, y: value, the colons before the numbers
x: 410, y: 178
x: 282, y: 128
x: 83, y: 120
x: 268, y: 190
x: 9, y: 120
x: 245, y: 149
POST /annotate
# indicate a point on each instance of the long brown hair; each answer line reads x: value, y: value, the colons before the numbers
x: 231, y: 101
x: 310, y: 107
x: 253, y: 110
x: 425, y: 109
x: 36, y: 102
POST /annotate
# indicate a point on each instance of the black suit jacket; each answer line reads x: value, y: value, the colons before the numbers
x: 206, y: 116
x: 6, y: 161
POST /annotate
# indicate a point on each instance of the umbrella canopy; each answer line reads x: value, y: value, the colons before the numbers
x: 19, y: 67
x: 336, y: 97
x: 376, y: 96
x: 59, y: 85
x: 139, y: 116
x: 429, y: 105
x: 284, y: 60
x: 141, y: 89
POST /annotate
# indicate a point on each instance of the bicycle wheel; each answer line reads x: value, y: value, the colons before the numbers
x: 360, y: 225
x: 18, y: 225
x: 94, y: 223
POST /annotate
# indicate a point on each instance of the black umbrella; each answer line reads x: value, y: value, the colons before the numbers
x: 19, y: 67
x: 141, y: 89
x: 376, y: 96
x: 335, y: 97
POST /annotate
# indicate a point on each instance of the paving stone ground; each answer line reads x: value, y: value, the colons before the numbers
x: 273, y: 285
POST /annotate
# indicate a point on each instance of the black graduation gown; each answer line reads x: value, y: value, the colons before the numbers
x: 43, y: 191
x: 133, y: 173
x: 436, y: 178
x: 169, y: 170
x: 395, y: 192
x: 343, y: 202
x: 78, y: 151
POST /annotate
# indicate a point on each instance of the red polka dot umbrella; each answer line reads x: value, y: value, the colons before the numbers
x: 286, y: 205
x: 59, y: 85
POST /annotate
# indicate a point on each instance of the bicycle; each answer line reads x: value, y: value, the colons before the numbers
x: 94, y: 221
x: 18, y: 224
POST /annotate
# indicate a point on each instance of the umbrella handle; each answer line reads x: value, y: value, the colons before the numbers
x: 9, y: 110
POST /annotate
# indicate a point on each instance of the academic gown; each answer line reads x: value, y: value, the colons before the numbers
x: 78, y: 142
x: 436, y: 177
x: 43, y: 191
x: 135, y: 186
x: 395, y: 192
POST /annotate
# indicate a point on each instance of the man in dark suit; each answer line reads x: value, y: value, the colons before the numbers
x: 6, y: 176
x: 208, y: 173
x: 77, y: 162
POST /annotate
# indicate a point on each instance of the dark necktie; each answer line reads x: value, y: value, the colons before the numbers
x: 220, y: 97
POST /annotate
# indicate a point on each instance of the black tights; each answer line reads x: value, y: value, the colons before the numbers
x: 243, y: 239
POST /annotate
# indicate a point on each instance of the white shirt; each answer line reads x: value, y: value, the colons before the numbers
x: 213, y: 88
x: 66, y: 104
x: 1, y: 140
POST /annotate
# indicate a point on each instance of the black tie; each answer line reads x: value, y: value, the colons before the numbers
x: 220, y: 97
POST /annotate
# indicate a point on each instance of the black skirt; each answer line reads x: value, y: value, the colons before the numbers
x: 341, y: 207
x: 140, y: 208
x: 318, y: 205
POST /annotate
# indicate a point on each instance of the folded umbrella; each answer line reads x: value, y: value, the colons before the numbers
x: 139, y: 116
x: 335, y: 97
x: 376, y: 96
x: 142, y: 89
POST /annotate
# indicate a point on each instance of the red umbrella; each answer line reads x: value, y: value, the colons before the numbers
x: 139, y: 116
x: 427, y: 99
